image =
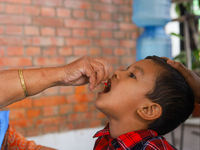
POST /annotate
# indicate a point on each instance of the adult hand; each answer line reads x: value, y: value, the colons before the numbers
x: 86, y: 70
x: 192, y: 79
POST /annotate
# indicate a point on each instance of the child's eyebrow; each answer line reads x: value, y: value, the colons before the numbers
x: 140, y: 69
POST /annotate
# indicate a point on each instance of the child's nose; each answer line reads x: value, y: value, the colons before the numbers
x: 116, y: 74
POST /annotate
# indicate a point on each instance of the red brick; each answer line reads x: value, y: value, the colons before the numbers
x: 43, y: 21
x: 17, y: 2
x: 106, y: 42
x: 105, y: 16
x: 50, y: 121
x: 31, y: 10
x: 112, y: 60
x: 119, y: 34
x: 50, y: 110
x: 32, y: 51
x: 105, y: 25
x: 127, y: 43
x: 15, y: 61
x: 47, y: 31
x: 78, y: 14
x: 120, y: 68
x: 78, y: 33
x: 125, y: 9
x: 94, y: 123
x: 105, y: 8
x: 128, y: 60
x: 80, y: 125
x: 14, y: 30
x: 77, y: 4
x: 78, y: 42
x: 26, y: 103
x: 127, y: 26
x: 66, y: 90
x: 92, y: 33
x: 134, y: 34
x: 2, y: 51
x: 51, y: 91
x: 33, y: 132
x: 106, y: 34
x: 92, y: 15
x: 86, y: 116
x: 17, y: 113
x: 1, y: 29
x: 73, y: 117
x: 51, y: 129
x: 1, y: 8
x: 52, y: 61
x: 33, y: 113
x: 128, y: 18
x: 13, y: 19
x: 18, y: 41
x: 80, y: 98
x: 15, y: 51
x: 119, y: 2
x: 74, y: 23
x: 21, y: 123
x: 54, y: 3
x: 118, y: 17
x: 65, y: 51
x: 119, y: 51
x: 14, y: 9
x: 80, y: 89
x: 64, y: 109
x: 63, y: 32
x: 107, y: 51
x: 48, y: 41
x: 80, y: 51
x: 31, y: 30
x: 47, y: 11
x: 106, y: 1
x: 94, y: 51
x: 61, y: 12
x: 49, y: 101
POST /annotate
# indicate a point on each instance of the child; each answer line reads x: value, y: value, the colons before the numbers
x: 142, y: 103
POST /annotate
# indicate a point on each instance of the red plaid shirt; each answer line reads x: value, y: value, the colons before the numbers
x: 137, y: 140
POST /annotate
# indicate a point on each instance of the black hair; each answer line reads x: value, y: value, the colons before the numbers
x: 173, y: 94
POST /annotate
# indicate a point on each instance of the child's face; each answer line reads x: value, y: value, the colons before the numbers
x: 128, y: 89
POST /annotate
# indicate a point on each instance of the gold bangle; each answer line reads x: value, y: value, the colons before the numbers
x: 22, y: 82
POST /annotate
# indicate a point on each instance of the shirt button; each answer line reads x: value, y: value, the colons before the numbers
x: 113, y: 142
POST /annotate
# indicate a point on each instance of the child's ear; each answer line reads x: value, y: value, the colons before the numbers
x: 150, y: 112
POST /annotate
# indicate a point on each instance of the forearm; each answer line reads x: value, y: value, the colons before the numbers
x: 36, y: 80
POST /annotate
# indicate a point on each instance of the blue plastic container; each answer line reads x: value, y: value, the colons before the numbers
x: 153, y: 41
x: 151, y: 12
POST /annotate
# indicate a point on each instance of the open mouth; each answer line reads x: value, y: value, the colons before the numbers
x: 107, y: 87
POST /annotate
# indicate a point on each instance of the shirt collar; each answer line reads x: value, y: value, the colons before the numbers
x: 128, y: 140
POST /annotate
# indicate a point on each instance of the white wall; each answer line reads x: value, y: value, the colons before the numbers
x: 173, y: 27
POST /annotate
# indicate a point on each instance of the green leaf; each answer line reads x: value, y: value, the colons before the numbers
x: 178, y: 35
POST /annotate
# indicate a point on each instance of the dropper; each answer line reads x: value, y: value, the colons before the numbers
x: 106, y: 84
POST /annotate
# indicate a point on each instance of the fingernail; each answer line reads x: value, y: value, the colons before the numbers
x: 170, y: 61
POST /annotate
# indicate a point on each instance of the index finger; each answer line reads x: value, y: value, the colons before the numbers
x: 105, y: 67
x: 186, y: 73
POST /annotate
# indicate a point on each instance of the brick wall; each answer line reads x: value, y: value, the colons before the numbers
x: 40, y: 33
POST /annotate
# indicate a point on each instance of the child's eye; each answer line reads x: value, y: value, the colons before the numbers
x: 132, y: 75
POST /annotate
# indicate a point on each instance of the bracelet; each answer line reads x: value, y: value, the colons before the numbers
x: 22, y: 82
